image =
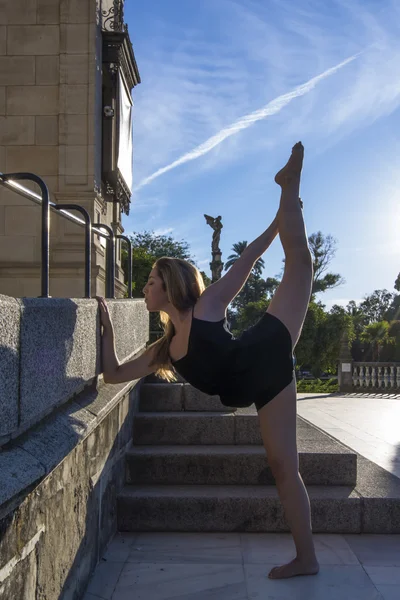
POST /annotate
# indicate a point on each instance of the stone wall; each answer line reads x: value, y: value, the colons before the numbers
x: 65, y: 435
x: 58, y: 489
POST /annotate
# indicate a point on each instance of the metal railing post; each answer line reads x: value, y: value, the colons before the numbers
x: 128, y: 241
x: 110, y: 260
x: 45, y: 223
x: 88, y: 242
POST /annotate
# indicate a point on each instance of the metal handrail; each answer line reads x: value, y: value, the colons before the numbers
x: 9, y: 180
x: 88, y: 239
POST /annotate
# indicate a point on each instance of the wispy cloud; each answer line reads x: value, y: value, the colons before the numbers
x: 272, y: 108
x: 195, y: 80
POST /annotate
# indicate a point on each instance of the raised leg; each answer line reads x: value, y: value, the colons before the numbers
x: 291, y: 299
x: 278, y: 417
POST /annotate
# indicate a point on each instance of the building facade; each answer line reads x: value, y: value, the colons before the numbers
x: 67, y: 70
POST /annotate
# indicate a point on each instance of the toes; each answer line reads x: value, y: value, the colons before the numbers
x: 273, y: 572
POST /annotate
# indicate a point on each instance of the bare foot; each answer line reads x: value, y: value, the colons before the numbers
x: 293, y: 569
x: 293, y: 167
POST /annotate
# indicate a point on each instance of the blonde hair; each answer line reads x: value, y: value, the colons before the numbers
x: 184, y: 284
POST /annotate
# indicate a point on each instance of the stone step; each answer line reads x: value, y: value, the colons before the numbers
x: 219, y: 428
x: 164, y: 397
x: 195, y: 508
x: 321, y: 462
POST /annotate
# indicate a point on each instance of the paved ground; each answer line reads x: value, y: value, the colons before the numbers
x: 368, y: 424
x: 217, y: 566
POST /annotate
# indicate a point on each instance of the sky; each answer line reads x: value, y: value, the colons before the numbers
x: 228, y: 86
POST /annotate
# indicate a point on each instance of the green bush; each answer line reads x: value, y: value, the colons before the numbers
x: 327, y: 386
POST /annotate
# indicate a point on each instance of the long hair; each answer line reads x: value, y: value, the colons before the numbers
x: 184, y: 284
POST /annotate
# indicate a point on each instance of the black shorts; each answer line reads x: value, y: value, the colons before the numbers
x: 260, y: 365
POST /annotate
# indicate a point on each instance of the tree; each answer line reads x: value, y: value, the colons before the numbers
x: 323, y: 249
x: 255, y: 287
x: 146, y: 249
x: 377, y: 334
x: 248, y: 316
x: 319, y: 343
x: 376, y: 305
x: 393, y: 312
x: 271, y: 286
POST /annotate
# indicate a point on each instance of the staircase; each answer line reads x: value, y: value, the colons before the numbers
x: 197, y: 466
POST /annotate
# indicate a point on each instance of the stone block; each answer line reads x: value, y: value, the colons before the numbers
x: 74, y: 99
x: 131, y: 325
x: 195, y: 400
x: 247, y: 430
x: 3, y: 40
x: 76, y: 161
x: 47, y: 70
x: 23, y: 222
x: 60, y: 348
x: 156, y: 397
x: 31, y: 40
x: 79, y: 182
x: 231, y: 508
x: 18, y: 249
x: 185, y: 428
x: 2, y: 220
x: 77, y: 11
x: 74, y: 69
x: 2, y: 100
x: 10, y: 198
x: 73, y: 130
x: 46, y: 131
x: 17, y: 12
x: 32, y: 100
x: 55, y: 332
x: 94, y: 68
x: 73, y: 161
x: 17, y: 70
x: 33, y: 159
x: 18, y: 470
x: 48, y: 11
x: 94, y: 156
x: 10, y: 314
x: 74, y: 38
x: 17, y: 131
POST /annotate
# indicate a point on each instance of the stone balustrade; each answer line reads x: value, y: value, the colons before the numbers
x: 376, y: 376
x: 368, y: 376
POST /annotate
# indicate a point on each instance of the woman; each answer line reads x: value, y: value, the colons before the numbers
x: 256, y: 367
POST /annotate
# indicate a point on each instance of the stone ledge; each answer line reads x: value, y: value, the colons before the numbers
x: 50, y: 351
x: 26, y: 460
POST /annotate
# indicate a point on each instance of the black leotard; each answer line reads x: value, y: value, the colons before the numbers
x: 254, y: 367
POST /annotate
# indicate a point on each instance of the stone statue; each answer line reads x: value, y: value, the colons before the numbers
x: 217, y: 226
x: 216, y: 265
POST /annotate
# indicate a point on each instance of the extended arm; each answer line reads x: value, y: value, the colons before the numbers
x: 113, y: 371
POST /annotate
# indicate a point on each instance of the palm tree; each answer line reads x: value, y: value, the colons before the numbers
x: 377, y: 334
x: 259, y: 265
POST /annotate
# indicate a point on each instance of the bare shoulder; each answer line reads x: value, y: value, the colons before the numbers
x: 209, y: 307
